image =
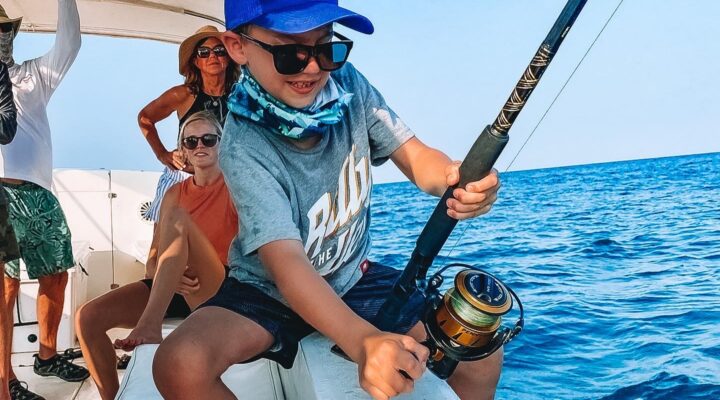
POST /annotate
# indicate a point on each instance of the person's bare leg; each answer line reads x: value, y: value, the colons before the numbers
x: 5, y: 342
x: 12, y: 287
x: 476, y: 380
x: 121, y: 308
x: 50, y: 300
x: 181, y: 244
x: 189, y: 362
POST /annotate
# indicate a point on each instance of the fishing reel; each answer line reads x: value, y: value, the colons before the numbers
x: 464, y: 324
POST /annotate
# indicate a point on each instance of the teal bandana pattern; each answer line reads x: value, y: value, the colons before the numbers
x: 249, y: 100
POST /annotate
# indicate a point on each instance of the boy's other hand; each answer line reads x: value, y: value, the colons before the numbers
x: 387, y: 361
x: 476, y: 198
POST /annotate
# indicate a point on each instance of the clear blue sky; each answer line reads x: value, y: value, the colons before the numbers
x: 648, y: 88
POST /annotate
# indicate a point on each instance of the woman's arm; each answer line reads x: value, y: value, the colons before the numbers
x: 156, y: 111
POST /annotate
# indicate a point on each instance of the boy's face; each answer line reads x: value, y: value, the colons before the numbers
x: 297, y: 90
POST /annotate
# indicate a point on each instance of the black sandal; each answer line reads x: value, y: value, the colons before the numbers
x: 19, y: 391
x: 123, y: 361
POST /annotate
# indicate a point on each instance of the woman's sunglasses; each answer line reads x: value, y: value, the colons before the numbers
x: 208, y: 140
x: 204, y: 52
x: 291, y: 59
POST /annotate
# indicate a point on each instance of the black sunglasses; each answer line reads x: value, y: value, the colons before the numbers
x: 204, y: 52
x: 291, y: 59
x: 208, y: 140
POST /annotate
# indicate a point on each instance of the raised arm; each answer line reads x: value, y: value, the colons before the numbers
x: 8, y: 112
x: 56, y: 63
x: 156, y: 111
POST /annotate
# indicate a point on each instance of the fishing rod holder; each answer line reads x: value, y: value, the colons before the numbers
x: 464, y: 324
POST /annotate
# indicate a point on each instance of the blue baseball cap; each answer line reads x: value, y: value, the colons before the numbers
x: 292, y: 16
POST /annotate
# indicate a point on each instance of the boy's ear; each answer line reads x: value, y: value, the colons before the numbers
x: 234, y: 45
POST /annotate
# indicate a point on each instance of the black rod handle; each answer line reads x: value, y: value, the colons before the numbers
x: 477, y: 164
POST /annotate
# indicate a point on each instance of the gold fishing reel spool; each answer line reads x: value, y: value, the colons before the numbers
x: 471, y: 312
x: 465, y: 323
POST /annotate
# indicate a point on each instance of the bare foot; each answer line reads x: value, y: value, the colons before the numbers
x: 139, y: 335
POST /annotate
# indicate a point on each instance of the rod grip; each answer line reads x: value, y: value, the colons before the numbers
x: 476, y: 165
x: 482, y: 156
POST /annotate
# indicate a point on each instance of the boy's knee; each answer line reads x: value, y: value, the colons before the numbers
x: 179, y: 365
x: 484, y: 373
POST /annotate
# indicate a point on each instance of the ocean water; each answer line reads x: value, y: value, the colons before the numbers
x: 617, y: 266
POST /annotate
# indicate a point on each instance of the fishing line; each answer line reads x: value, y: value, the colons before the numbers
x: 544, y: 115
x: 563, y: 86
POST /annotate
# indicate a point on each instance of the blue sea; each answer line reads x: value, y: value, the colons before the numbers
x: 617, y: 266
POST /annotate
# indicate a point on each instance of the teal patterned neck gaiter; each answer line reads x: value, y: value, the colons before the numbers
x: 249, y: 100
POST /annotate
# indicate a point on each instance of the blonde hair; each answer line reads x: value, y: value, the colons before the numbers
x: 206, y: 116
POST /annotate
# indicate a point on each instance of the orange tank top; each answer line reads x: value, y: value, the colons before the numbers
x: 212, y: 209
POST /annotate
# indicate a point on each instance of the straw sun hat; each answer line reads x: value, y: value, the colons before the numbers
x: 4, y: 19
x: 187, y: 47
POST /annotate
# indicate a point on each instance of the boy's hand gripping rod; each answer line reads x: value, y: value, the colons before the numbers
x: 476, y: 165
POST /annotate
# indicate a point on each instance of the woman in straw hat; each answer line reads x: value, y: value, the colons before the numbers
x: 209, y: 74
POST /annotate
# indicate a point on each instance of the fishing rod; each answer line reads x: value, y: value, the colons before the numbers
x: 464, y: 324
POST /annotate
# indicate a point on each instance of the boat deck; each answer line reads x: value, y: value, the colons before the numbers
x: 55, y: 388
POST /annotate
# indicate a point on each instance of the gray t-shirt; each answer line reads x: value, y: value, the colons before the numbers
x: 319, y: 196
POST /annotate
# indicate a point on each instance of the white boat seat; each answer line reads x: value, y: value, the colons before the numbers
x: 258, y: 380
x: 318, y: 374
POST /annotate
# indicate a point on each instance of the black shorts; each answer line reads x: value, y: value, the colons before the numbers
x: 178, y: 307
x: 288, y: 328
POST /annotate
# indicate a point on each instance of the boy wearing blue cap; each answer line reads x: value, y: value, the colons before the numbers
x: 303, y: 129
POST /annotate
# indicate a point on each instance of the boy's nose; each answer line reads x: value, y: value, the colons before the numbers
x: 312, y: 67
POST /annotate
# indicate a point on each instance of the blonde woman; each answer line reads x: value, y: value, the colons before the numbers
x: 197, y: 223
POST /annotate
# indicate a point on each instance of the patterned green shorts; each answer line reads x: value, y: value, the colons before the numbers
x: 9, y: 250
x: 41, y: 230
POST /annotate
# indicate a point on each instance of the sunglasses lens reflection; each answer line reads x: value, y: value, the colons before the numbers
x: 291, y: 59
x: 209, y: 140
x: 204, y: 52
x: 332, y: 56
